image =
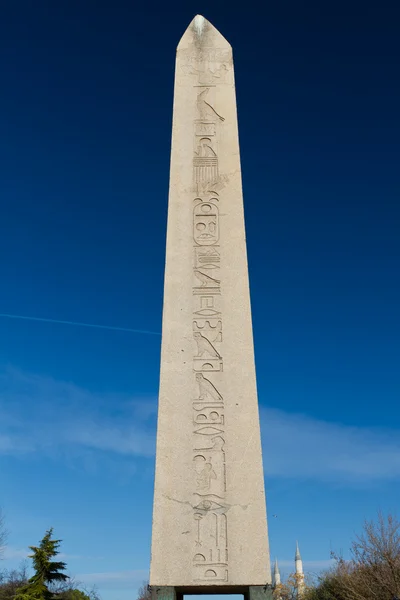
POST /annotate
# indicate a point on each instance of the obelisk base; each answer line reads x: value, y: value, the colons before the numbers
x: 252, y: 592
x: 260, y: 592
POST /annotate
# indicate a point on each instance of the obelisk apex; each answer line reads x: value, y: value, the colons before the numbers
x: 202, y: 33
x: 209, y: 519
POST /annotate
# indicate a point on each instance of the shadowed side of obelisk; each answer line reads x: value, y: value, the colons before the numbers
x: 209, y: 518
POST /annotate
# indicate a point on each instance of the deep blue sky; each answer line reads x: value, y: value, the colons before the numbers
x: 85, y: 118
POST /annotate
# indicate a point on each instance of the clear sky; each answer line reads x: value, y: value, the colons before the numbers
x: 85, y: 118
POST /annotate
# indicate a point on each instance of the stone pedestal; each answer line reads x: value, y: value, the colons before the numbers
x: 260, y: 592
x: 253, y: 592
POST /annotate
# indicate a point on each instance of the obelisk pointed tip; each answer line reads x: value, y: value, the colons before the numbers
x: 203, y: 33
x: 198, y: 24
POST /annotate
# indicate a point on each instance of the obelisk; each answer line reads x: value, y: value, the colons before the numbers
x: 209, y: 519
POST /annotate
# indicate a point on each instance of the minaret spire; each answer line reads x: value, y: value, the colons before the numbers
x: 297, y: 555
x: 277, y: 575
x: 299, y: 571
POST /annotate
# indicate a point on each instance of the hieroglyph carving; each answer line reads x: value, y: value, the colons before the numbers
x: 210, y: 552
x: 206, y: 176
x: 205, y: 223
x: 211, y: 66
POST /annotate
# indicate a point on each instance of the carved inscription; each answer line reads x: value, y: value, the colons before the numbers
x: 210, y: 552
x: 206, y: 175
x: 205, y: 223
x: 210, y: 66
x: 207, y: 390
x: 207, y: 129
x: 205, y: 108
x: 211, y: 364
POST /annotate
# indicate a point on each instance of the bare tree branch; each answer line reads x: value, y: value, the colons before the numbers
x: 144, y: 592
x: 3, y: 534
x: 373, y: 572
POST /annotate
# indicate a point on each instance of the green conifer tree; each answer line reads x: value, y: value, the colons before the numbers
x: 47, y: 571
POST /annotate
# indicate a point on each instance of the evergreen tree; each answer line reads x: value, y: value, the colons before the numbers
x: 73, y: 595
x: 47, y: 571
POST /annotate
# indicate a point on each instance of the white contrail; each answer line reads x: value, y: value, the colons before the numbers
x: 144, y: 331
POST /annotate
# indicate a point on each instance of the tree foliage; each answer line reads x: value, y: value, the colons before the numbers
x: 48, y: 582
x: 10, y: 581
x: 47, y: 571
x: 373, y: 571
x: 296, y: 586
x: 73, y: 594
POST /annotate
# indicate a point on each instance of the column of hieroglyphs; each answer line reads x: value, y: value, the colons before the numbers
x: 209, y: 434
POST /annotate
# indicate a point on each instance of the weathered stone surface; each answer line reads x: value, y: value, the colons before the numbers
x: 209, y: 521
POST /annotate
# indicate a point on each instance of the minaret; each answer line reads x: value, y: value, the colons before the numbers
x: 299, y: 571
x: 277, y: 575
x: 277, y: 581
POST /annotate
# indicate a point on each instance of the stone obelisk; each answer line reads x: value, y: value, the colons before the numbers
x: 209, y: 520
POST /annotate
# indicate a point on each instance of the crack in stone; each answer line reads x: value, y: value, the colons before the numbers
x: 226, y: 506
x: 179, y: 501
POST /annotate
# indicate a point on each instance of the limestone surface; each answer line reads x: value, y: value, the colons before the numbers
x: 209, y: 519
